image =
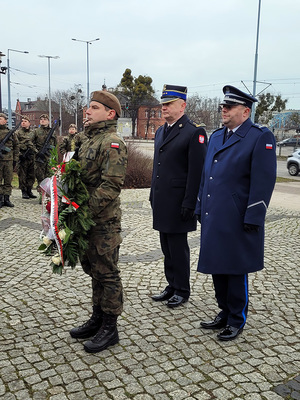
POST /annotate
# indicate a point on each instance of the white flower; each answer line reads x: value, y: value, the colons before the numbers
x: 62, y: 234
x: 56, y: 259
x: 47, y: 241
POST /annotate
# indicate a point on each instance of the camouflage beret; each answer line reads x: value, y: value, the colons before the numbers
x: 45, y: 116
x: 73, y: 126
x: 3, y: 115
x: 108, y: 100
x: 25, y: 117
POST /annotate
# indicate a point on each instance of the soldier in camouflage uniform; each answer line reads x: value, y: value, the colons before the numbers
x: 104, y: 156
x: 39, y: 136
x: 8, y: 162
x: 26, y: 159
x: 70, y: 142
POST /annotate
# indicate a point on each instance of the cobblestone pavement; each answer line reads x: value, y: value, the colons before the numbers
x: 162, y: 354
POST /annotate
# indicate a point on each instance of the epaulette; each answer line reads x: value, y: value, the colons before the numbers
x: 258, y: 125
x: 196, y: 125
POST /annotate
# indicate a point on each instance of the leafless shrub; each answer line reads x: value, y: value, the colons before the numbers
x: 139, y: 169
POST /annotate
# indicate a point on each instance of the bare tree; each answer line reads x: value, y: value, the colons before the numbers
x: 204, y: 111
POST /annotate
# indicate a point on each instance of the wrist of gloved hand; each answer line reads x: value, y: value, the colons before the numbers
x: 251, y: 228
x: 186, y: 214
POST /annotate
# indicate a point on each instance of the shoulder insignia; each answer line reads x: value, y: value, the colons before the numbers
x: 115, y: 145
x: 261, y: 127
x: 195, y: 124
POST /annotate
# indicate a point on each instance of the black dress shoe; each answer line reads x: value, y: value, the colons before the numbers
x: 165, y: 295
x: 176, y: 301
x: 229, y: 333
x: 216, y: 323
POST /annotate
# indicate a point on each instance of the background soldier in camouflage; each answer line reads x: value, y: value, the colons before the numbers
x: 39, y: 136
x: 8, y: 162
x: 70, y: 142
x: 104, y: 156
x: 26, y: 159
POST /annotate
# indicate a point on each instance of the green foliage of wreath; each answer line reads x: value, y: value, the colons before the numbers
x: 76, y: 223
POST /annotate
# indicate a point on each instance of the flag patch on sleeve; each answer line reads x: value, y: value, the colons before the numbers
x: 115, y: 145
x: 269, y: 146
x: 201, y: 139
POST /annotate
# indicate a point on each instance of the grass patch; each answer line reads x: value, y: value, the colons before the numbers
x: 15, y: 181
x: 281, y: 180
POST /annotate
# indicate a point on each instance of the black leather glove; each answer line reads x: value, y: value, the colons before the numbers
x: 251, y: 228
x: 198, y: 216
x: 186, y: 214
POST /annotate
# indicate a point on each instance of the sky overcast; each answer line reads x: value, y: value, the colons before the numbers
x: 203, y: 45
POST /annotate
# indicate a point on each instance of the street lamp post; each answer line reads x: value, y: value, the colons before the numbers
x: 55, y: 57
x: 87, y: 65
x: 255, y: 63
x: 8, y: 85
x: 2, y: 71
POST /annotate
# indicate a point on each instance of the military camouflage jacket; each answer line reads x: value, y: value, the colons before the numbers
x: 104, y: 158
x: 12, y: 144
x: 39, y: 137
x: 70, y: 143
x: 24, y: 137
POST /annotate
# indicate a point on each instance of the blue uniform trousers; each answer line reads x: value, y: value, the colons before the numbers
x: 232, y: 298
x: 177, y: 262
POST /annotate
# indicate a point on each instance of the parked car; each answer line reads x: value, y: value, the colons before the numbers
x: 293, y: 142
x: 293, y: 163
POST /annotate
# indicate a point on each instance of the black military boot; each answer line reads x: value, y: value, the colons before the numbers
x: 25, y: 194
x: 7, y: 202
x: 90, y: 327
x: 1, y: 200
x: 30, y: 194
x: 105, y: 337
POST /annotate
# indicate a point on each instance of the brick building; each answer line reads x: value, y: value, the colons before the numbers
x: 148, y: 121
x: 33, y: 110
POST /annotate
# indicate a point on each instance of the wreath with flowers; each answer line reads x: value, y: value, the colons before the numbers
x: 66, y: 219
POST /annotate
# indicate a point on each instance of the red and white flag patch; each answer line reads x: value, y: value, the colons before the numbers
x: 269, y: 146
x: 115, y: 145
x: 201, y: 139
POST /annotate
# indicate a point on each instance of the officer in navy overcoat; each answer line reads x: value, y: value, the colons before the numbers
x: 236, y: 187
x: 180, y: 148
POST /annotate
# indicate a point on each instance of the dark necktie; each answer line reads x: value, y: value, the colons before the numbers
x: 228, y: 134
x: 167, y: 131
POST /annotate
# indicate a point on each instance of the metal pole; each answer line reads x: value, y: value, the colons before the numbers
x: 49, y: 80
x: 8, y: 86
x: 8, y: 93
x: 88, y: 73
x: 2, y: 71
x: 0, y: 95
x: 60, y: 117
x: 50, y: 114
x: 255, y: 63
x: 87, y: 65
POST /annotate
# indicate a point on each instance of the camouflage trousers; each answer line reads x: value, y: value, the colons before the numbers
x: 41, y: 171
x: 26, y: 174
x: 6, y: 176
x: 107, y: 289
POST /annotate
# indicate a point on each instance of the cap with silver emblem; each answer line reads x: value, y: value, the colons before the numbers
x: 234, y: 97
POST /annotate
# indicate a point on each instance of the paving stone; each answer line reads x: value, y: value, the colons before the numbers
x: 163, y: 353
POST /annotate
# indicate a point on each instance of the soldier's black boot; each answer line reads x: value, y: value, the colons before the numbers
x: 7, y: 202
x: 105, y: 337
x: 30, y: 194
x: 1, y: 200
x: 90, y: 327
x: 25, y: 194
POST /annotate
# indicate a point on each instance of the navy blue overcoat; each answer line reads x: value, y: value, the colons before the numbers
x: 236, y: 187
x: 177, y: 169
